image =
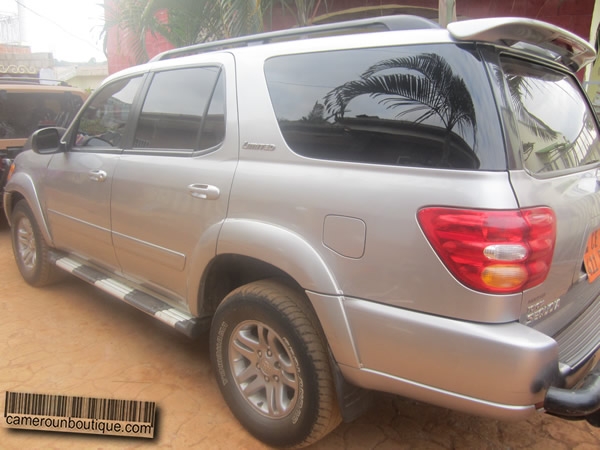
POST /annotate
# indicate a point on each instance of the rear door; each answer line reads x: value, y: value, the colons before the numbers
x: 170, y: 191
x: 557, y: 144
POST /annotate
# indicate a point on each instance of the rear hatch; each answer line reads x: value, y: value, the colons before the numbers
x: 555, y: 135
x: 553, y: 148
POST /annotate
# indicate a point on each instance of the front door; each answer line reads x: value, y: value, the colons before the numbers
x: 79, y: 181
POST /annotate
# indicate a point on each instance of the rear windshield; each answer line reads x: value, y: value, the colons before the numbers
x: 557, y: 129
x: 421, y: 106
x: 22, y: 113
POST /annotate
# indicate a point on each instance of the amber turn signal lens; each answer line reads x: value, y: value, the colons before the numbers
x: 10, y: 171
x: 504, y: 276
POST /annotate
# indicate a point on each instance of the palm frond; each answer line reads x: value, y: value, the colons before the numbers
x: 425, y: 81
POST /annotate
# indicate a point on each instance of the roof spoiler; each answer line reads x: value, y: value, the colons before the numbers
x: 555, y: 43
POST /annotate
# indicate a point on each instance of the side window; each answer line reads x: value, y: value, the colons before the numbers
x: 556, y: 126
x: 421, y: 106
x: 184, y: 109
x: 103, y: 121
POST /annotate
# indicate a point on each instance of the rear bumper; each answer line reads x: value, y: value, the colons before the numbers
x: 504, y: 371
x: 582, y: 401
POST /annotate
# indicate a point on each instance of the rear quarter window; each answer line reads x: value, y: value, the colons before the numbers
x: 421, y: 106
x: 556, y: 127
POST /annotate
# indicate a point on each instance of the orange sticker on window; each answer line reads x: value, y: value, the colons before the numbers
x: 591, y: 258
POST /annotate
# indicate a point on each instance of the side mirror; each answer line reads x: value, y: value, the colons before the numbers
x: 46, y: 141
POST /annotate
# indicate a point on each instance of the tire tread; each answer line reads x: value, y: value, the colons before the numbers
x: 293, y: 305
x: 47, y: 273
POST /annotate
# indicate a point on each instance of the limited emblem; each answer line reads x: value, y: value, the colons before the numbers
x: 257, y: 146
x: 541, y: 309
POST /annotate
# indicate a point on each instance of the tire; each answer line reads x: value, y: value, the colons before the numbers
x: 30, y: 249
x: 265, y: 340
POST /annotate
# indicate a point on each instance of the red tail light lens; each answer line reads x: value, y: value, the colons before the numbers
x: 498, y: 252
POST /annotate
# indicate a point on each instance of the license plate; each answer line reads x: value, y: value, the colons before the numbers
x: 591, y: 258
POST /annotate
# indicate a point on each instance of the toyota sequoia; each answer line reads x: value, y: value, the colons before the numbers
x: 374, y: 205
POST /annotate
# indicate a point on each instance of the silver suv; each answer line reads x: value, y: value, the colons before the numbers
x: 373, y: 205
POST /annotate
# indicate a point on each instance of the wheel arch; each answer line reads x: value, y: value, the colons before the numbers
x: 280, y: 247
x: 227, y: 272
x: 248, y: 251
x: 21, y: 187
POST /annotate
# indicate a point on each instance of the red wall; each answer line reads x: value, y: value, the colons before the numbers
x: 119, y: 46
x: 574, y: 15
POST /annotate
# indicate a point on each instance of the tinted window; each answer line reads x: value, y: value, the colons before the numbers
x: 425, y: 106
x: 103, y: 120
x: 179, y: 105
x: 557, y: 128
x: 21, y: 113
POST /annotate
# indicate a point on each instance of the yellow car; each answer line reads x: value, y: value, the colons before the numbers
x: 27, y: 105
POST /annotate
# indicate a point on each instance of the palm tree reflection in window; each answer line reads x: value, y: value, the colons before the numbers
x: 422, y: 88
x: 520, y: 91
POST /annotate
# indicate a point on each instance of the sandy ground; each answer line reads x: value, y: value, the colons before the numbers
x: 71, y: 339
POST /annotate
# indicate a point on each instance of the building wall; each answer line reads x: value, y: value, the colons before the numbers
x: 574, y: 15
x: 120, y: 44
x: 88, y: 83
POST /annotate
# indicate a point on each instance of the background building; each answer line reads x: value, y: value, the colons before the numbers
x: 574, y: 15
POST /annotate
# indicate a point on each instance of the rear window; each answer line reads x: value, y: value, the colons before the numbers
x: 22, y: 113
x: 184, y: 109
x: 420, y: 106
x: 557, y: 128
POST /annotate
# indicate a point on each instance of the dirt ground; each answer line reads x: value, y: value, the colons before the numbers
x: 71, y: 339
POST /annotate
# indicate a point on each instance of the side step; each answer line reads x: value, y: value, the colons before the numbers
x: 182, y: 322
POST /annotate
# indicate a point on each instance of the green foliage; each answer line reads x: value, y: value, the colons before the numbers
x: 189, y: 21
x: 194, y: 21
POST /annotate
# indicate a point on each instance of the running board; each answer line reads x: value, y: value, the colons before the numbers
x: 182, y: 322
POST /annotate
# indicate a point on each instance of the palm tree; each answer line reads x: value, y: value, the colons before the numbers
x: 194, y: 21
x: 189, y: 21
x: 423, y: 84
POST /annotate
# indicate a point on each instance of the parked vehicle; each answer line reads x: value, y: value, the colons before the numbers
x: 401, y: 208
x: 28, y: 104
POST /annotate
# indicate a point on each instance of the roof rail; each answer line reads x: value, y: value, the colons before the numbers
x: 31, y: 80
x: 373, y: 24
x: 520, y: 33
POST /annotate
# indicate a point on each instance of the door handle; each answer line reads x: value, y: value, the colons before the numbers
x: 204, y: 191
x: 98, y: 175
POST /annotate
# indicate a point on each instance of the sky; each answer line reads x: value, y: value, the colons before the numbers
x: 69, y: 29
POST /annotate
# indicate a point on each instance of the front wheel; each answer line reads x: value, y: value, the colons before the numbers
x: 272, y: 366
x: 30, y: 248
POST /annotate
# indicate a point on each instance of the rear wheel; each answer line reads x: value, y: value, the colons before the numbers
x: 272, y: 365
x: 30, y: 249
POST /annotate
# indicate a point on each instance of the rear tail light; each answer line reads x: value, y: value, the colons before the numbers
x: 498, y: 252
